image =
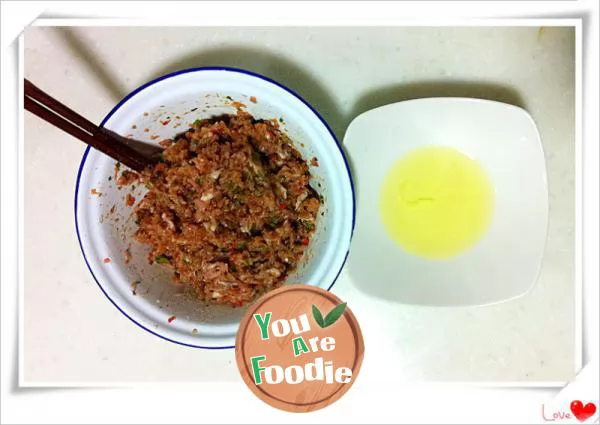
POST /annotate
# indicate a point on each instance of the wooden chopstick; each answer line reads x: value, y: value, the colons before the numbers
x: 51, y: 110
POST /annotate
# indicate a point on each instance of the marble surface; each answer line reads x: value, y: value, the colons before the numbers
x: 72, y: 334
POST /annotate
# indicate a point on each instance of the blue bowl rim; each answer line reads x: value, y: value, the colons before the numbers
x: 185, y: 71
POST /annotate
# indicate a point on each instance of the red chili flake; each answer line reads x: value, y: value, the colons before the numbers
x: 106, y: 260
x: 95, y: 192
x: 314, y: 162
x: 253, y: 99
x: 305, y: 241
x: 172, y: 318
x: 166, y: 143
x: 165, y: 122
x: 130, y: 200
x: 282, y: 206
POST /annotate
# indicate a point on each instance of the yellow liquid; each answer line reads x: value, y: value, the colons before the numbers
x: 436, y: 202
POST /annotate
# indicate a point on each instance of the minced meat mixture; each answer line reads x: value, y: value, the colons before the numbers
x: 229, y: 208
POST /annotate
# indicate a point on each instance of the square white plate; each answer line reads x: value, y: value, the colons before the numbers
x: 505, y: 141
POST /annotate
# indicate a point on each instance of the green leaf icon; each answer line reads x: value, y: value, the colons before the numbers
x: 331, y: 317
x: 318, y: 316
x: 334, y: 314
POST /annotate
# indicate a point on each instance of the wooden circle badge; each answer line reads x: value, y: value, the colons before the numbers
x: 299, y: 348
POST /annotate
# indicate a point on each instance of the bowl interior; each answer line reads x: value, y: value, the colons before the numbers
x: 160, y: 110
x: 505, y: 141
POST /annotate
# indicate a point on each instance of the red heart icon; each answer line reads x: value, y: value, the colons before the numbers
x: 582, y: 412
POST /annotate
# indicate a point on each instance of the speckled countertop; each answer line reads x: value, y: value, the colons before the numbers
x: 73, y: 334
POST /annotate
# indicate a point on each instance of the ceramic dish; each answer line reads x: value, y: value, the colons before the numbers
x: 159, y: 110
x: 504, y: 140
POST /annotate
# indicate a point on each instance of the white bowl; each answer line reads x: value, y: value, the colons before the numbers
x: 188, y: 95
x: 504, y: 139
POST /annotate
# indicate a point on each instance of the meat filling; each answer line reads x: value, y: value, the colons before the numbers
x: 229, y: 208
